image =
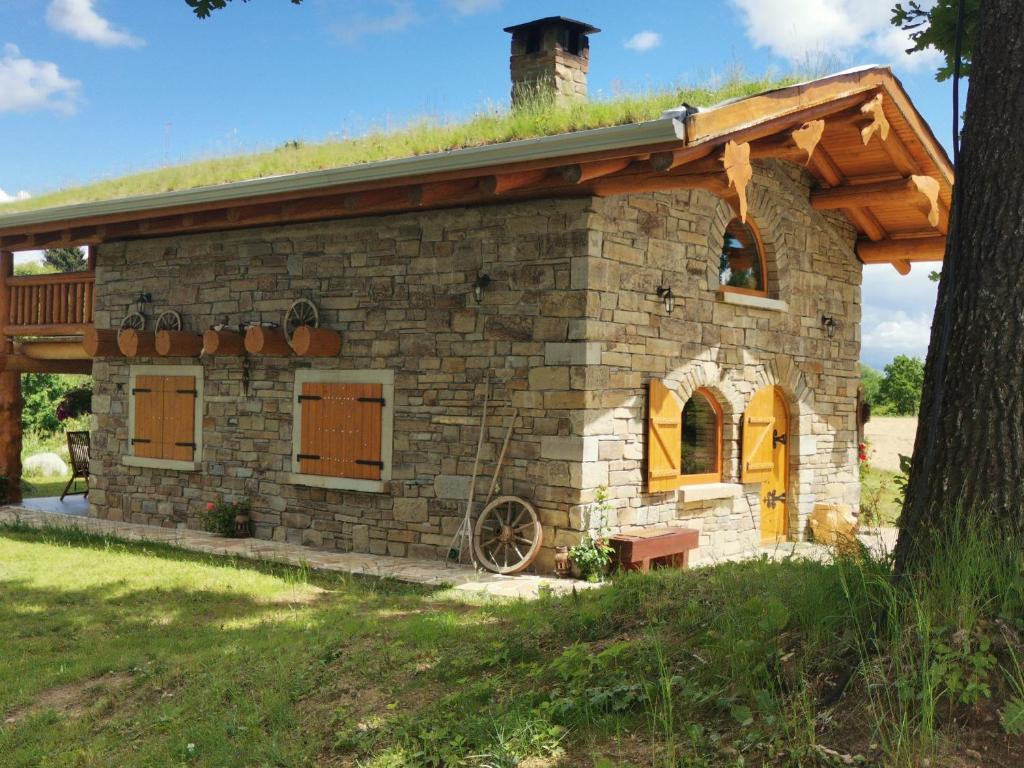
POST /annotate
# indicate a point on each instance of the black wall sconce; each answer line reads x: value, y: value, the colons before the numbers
x: 666, y: 295
x: 481, y: 282
x: 142, y: 300
x: 829, y: 323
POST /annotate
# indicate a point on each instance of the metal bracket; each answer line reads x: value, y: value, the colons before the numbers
x: 778, y: 439
x: 773, y: 498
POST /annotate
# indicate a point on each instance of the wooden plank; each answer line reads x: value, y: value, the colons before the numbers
x: 179, y: 410
x: 147, y: 437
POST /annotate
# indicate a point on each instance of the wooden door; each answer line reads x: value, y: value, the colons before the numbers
x: 766, y: 458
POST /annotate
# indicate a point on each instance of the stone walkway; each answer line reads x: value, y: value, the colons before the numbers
x: 43, y: 513
x: 461, y: 579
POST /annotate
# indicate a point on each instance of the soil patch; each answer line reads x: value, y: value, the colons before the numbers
x: 72, y: 699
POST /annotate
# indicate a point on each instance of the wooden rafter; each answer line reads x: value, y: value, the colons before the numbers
x: 583, y: 172
x: 907, y: 250
x: 920, y: 191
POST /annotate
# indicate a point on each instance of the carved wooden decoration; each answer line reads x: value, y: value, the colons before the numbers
x: 929, y: 189
x: 736, y: 159
x: 223, y: 342
x: 807, y: 136
x: 877, y: 122
x: 797, y: 146
x: 100, y: 343
x: 316, y: 342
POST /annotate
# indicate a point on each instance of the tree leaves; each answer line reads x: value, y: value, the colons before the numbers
x: 203, y: 8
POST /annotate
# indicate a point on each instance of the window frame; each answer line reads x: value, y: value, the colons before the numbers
x: 704, y: 477
x: 196, y: 372
x: 761, y: 256
x: 386, y: 379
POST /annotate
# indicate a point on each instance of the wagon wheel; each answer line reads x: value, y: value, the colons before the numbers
x: 301, y: 312
x: 136, y: 321
x: 168, y: 321
x: 507, y: 536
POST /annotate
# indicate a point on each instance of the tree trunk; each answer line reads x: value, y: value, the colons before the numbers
x: 973, y: 404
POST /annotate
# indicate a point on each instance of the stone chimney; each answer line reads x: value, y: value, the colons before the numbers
x: 550, y: 55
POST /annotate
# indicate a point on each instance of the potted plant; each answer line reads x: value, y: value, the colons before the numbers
x: 592, y: 556
x: 228, y: 518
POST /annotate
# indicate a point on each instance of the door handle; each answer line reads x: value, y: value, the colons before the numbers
x: 773, y: 498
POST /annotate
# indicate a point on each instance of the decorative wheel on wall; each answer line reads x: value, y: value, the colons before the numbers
x: 168, y: 321
x: 507, y: 536
x: 135, y: 321
x: 301, y: 312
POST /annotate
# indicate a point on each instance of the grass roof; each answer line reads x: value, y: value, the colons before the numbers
x: 420, y: 137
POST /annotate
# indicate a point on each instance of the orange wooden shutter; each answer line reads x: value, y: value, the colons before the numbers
x: 341, y: 426
x: 664, y: 438
x: 179, y: 412
x: 758, y: 421
x: 147, y: 438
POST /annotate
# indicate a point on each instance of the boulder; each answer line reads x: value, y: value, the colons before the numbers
x: 44, y: 465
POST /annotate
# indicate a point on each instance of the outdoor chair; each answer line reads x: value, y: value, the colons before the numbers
x: 78, y: 448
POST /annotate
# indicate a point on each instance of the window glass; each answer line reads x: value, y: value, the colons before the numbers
x: 700, y: 441
x: 741, y: 265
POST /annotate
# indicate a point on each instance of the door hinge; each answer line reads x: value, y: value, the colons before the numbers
x: 186, y: 445
x: 371, y: 400
x: 137, y: 440
x: 778, y: 439
x: 309, y: 397
x: 307, y: 457
x: 193, y: 392
x: 368, y: 463
x: 140, y: 389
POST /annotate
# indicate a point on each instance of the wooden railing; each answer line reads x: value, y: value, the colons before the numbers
x: 48, y: 305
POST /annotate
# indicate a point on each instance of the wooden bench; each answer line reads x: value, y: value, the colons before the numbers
x: 637, y: 549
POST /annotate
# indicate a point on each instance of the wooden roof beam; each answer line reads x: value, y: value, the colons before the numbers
x: 920, y: 191
x: 583, y: 172
x: 499, y: 184
x: 931, y: 248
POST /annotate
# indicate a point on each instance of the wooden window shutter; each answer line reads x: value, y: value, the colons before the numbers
x: 664, y: 438
x: 147, y: 437
x: 179, y: 411
x: 758, y: 421
x: 341, y: 426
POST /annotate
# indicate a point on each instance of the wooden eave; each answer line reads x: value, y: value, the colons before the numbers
x: 871, y: 154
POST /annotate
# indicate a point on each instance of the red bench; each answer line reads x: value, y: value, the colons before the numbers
x: 637, y: 549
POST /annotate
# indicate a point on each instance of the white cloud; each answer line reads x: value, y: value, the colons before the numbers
x: 804, y: 30
x: 897, y: 313
x: 24, y: 257
x: 27, y: 85
x: 402, y: 16
x: 79, y: 19
x: 6, y: 198
x: 643, y: 41
x: 473, y: 7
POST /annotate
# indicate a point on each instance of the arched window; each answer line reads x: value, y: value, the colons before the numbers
x: 742, y: 265
x: 701, y: 444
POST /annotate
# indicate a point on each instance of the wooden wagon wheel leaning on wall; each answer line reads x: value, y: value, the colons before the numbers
x: 301, y: 312
x: 135, y: 321
x: 168, y: 321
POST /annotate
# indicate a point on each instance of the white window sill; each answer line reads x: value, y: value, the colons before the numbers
x: 754, y: 302
x: 181, y: 466
x: 337, y: 483
x: 708, y: 491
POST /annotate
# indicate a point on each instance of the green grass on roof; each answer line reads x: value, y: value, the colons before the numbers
x: 418, y: 138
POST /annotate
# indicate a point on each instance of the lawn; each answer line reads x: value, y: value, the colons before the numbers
x: 881, y: 500
x: 141, y: 655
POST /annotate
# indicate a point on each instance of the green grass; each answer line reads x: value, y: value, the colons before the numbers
x: 490, y: 126
x: 880, y: 499
x: 43, y: 487
x: 131, y: 655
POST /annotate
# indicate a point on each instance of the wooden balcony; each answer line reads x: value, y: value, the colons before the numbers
x: 48, y: 305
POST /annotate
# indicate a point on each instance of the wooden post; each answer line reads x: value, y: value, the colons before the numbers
x: 11, y: 401
x: 316, y: 342
x: 222, y: 343
x: 133, y: 343
x: 260, y: 340
x: 178, y: 344
x: 100, y: 343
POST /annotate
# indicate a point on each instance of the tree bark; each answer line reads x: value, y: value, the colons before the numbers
x: 972, y: 410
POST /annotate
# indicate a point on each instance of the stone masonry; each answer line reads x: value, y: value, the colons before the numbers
x: 569, y: 328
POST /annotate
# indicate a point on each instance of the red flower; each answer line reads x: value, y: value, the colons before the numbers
x: 209, y: 506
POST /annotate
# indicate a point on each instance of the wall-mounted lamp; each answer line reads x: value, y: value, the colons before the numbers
x: 829, y: 323
x: 481, y: 282
x: 666, y: 295
x: 142, y: 300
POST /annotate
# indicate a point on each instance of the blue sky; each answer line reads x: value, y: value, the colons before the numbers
x: 97, y: 88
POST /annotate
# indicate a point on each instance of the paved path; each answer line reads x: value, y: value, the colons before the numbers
x: 461, y: 579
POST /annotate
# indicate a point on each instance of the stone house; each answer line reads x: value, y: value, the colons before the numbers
x: 668, y: 309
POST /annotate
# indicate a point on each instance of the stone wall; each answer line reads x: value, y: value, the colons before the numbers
x: 674, y: 240
x: 398, y: 288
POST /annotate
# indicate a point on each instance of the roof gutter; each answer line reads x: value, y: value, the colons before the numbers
x: 663, y: 130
